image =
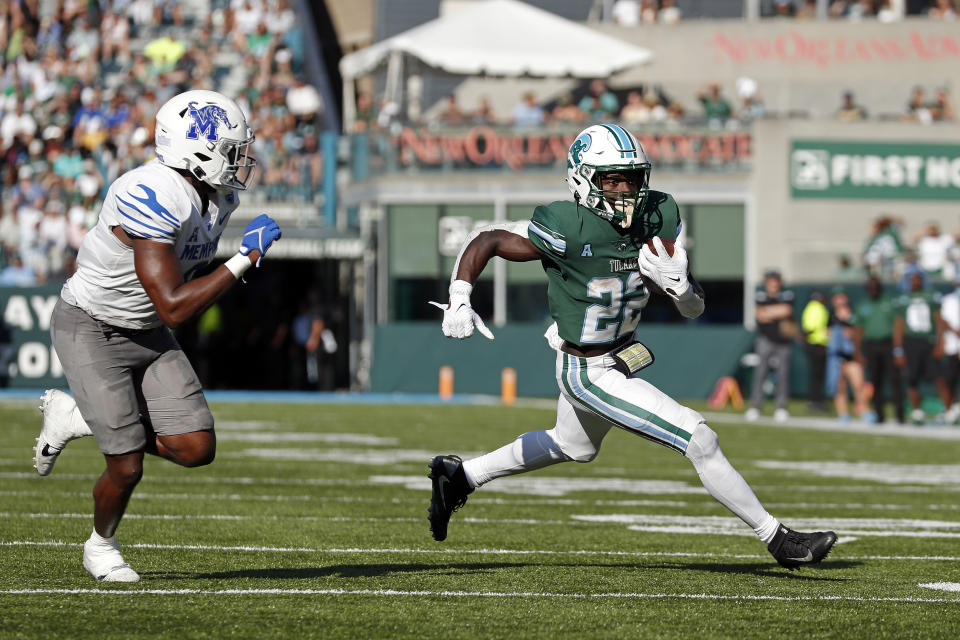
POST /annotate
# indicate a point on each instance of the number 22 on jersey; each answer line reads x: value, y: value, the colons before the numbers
x: 618, y: 312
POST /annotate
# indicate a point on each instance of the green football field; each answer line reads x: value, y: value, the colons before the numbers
x: 312, y: 523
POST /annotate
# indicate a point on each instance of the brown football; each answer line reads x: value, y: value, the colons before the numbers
x: 667, y: 244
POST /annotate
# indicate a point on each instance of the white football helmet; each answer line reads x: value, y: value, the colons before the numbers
x: 609, y: 148
x: 206, y: 133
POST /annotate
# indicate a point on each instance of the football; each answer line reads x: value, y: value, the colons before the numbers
x: 667, y: 244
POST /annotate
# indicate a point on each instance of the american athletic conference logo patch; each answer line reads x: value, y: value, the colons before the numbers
x: 206, y: 120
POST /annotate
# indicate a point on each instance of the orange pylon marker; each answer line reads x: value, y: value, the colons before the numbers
x: 508, y: 385
x: 726, y: 390
x: 446, y: 382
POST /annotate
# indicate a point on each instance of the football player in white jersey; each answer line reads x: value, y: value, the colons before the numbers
x: 133, y: 388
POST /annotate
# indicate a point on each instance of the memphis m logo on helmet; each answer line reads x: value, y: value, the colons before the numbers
x: 606, y: 149
x: 206, y: 134
x: 206, y: 119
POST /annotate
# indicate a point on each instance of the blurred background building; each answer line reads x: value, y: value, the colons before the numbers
x: 811, y: 137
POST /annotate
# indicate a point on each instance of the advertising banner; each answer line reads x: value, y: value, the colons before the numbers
x: 27, y: 359
x: 887, y: 170
x: 486, y: 147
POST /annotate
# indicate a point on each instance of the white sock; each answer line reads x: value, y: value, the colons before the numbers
x: 530, y: 451
x: 726, y: 485
x: 96, y: 538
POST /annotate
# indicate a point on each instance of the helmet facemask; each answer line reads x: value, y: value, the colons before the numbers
x: 616, y: 205
x: 241, y: 166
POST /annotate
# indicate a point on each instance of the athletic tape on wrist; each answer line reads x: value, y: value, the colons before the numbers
x: 461, y: 288
x: 237, y: 265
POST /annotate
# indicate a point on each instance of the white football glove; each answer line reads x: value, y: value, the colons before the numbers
x: 667, y: 272
x: 459, y: 318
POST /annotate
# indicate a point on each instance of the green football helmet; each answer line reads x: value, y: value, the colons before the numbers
x: 604, y: 149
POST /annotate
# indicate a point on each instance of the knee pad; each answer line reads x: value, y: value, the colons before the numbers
x: 581, y: 451
x: 703, y: 444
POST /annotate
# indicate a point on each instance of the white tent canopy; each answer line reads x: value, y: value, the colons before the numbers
x: 498, y: 37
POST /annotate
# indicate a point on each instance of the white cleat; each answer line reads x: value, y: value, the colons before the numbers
x: 751, y: 415
x: 103, y: 561
x: 61, y: 424
x: 781, y: 415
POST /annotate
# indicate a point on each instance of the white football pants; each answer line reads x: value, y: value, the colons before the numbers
x: 594, y: 397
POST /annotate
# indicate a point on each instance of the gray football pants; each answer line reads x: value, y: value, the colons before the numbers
x: 768, y: 351
x: 126, y: 382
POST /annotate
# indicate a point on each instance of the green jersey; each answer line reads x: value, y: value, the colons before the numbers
x: 918, y: 310
x: 875, y: 317
x: 594, y: 286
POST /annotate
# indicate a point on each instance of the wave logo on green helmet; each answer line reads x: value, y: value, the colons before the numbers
x: 580, y: 146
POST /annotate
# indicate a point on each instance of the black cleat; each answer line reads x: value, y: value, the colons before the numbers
x: 793, y: 549
x: 450, y: 491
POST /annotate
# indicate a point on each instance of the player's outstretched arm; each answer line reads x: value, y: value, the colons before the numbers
x: 496, y: 242
x: 177, y: 301
x: 459, y: 318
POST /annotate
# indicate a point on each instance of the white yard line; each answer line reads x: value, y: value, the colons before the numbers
x: 197, y: 479
x: 645, y: 522
x: 494, y: 501
x: 170, y: 516
x: 884, y: 473
x: 221, y: 496
x: 941, y: 586
x: 448, y: 551
x: 552, y: 487
x: 470, y: 594
x: 831, y: 424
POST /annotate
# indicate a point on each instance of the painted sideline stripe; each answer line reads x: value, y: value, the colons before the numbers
x: 469, y: 594
x: 483, y: 552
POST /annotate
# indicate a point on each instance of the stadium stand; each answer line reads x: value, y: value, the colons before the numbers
x: 80, y: 84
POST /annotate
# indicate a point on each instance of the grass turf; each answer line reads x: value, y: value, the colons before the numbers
x: 312, y: 523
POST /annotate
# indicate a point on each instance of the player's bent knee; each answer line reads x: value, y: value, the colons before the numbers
x: 703, y: 444
x: 201, y: 456
x: 127, y: 473
x: 194, y: 449
x: 581, y: 451
x: 203, y: 451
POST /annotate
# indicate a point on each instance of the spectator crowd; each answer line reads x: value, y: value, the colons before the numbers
x: 892, y: 330
x: 79, y: 88
x: 644, y: 107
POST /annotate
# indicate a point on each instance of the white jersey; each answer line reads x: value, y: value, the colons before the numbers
x: 152, y: 202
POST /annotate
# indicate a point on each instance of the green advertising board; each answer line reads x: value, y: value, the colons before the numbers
x: 27, y: 359
x: 898, y: 171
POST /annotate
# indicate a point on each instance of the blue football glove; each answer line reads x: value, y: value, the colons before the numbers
x: 262, y: 232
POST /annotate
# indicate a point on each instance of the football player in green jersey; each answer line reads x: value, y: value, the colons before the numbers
x: 600, y: 271
x: 918, y: 343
